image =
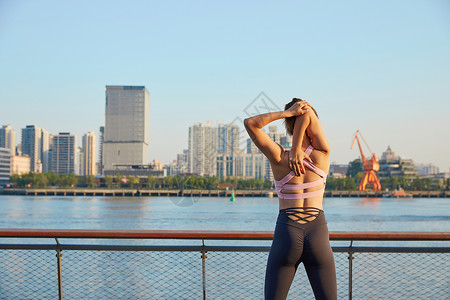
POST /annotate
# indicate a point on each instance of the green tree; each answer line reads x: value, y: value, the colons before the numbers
x: 350, y: 184
x: 385, y: 183
x: 151, y: 182
x: 90, y: 180
x: 108, y: 181
x: 259, y: 184
x: 354, y: 167
x: 171, y: 182
x: 118, y: 180
x: 30, y: 180
x: 212, y: 183
x: 53, y: 179
x: 14, y: 179
x: 268, y: 184
x: 69, y: 180
x: 132, y: 181
x: 41, y: 180
x: 165, y: 182
x: 405, y: 182
x: 331, y: 183
x: 394, y: 182
x: 421, y: 184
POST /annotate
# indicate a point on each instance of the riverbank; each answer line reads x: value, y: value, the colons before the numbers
x: 203, y: 193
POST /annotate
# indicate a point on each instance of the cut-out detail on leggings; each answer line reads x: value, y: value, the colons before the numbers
x: 302, y: 215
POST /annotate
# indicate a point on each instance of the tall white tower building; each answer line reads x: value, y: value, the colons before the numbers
x: 126, y: 135
x: 88, y: 154
x: 228, y: 138
x: 44, y: 148
x: 202, y: 148
x: 8, y: 139
x: 207, y: 141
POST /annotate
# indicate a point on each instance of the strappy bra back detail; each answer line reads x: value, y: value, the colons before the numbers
x: 282, y: 184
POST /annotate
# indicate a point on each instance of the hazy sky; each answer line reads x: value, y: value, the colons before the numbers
x: 379, y: 66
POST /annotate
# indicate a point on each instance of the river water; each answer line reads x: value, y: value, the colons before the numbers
x: 175, y: 213
x: 230, y: 275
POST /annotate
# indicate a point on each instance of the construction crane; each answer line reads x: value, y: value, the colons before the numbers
x: 370, y: 166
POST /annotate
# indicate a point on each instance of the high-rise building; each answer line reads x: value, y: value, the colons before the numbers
x: 36, y: 145
x: 126, y: 136
x: 100, y: 151
x: 181, y: 164
x: 206, y: 141
x: 78, y: 161
x: 31, y: 146
x: 214, y: 150
x: 8, y: 139
x: 183, y: 158
x: 202, y: 148
x: 88, y: 154
x: 251, y: 147
x: 63, y: 153
x: 253, y: 166
x: 5, y: 166
x: 44, y: 148
x: 228, y: 138
x: 244, y: 165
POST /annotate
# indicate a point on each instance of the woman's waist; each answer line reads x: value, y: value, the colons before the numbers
x: 302, y: 217
x: 302, y: 203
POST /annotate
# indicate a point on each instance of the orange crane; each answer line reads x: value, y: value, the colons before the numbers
x: 370, y: 166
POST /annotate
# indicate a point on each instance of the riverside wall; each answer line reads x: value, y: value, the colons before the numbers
x: 205, y: 193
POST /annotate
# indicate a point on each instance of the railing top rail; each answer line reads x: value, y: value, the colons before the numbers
x: 212, y: 234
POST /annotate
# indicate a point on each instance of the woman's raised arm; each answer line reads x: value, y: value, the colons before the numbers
x: 306, y: 124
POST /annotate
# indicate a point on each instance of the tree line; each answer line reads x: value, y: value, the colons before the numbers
x: 350, y: 183
x: 52, y: 180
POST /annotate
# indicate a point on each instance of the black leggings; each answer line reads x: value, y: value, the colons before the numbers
x: 294, y: 243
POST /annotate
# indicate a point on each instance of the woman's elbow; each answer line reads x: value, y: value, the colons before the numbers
x: 321, y: 145
x: 326, y: 148
x: 249, y: 124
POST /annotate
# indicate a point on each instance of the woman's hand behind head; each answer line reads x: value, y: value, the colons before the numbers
x: 299, y: 108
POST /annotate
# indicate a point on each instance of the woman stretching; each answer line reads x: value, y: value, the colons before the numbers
x: 301, y: 232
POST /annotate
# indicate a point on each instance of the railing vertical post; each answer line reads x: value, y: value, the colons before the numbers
x: 350, y: 272
x: 58, y: 259
x: 204, y: 256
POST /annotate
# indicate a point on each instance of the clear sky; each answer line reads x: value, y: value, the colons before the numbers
x: 382, y: 67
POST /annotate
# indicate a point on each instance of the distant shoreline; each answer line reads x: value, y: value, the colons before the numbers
x: 204, y: 193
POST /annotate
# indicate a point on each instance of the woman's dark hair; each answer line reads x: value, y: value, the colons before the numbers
x: 290, y: 122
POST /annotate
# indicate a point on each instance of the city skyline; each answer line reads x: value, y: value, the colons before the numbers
x: 221, y: 148
x: 382, y: 68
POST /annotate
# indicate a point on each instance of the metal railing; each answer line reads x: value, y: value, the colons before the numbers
x: 211, y: 264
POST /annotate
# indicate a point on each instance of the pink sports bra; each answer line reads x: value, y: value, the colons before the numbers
x: 281, y: 184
